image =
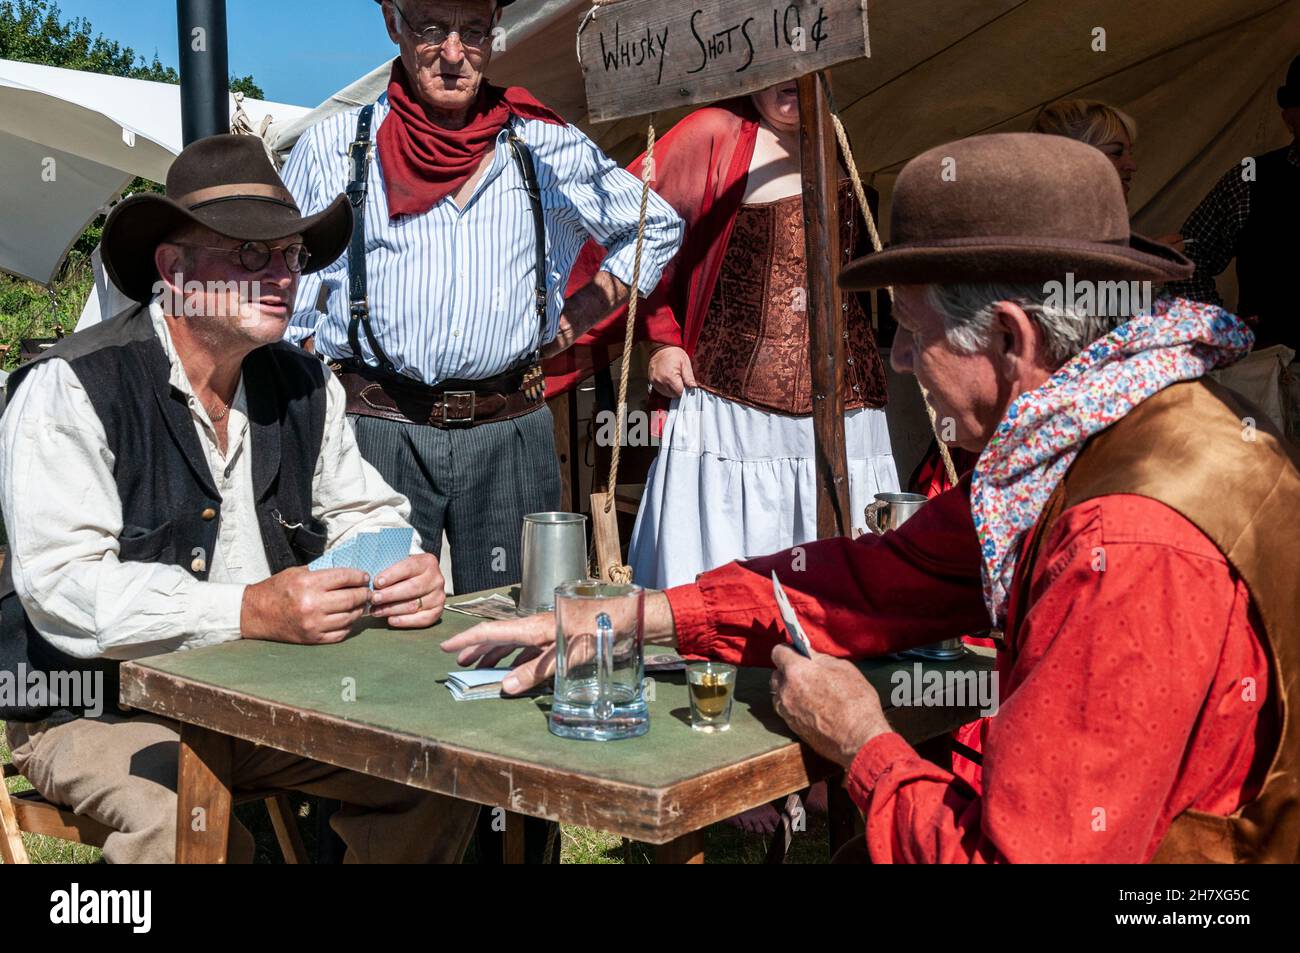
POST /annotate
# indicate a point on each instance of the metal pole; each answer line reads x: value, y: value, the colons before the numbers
x: 205, y: 68
x: 821, y: 218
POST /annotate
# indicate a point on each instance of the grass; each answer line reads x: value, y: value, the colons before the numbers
x: 723, y: 844
x: 28, y: 310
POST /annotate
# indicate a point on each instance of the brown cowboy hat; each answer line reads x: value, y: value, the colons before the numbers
x: 1012, y: 207
x: 227, y: 184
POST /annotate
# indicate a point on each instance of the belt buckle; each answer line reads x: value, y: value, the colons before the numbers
x: 463, y: 398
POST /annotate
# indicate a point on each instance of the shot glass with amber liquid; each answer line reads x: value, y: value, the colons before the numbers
x: 711, y: 686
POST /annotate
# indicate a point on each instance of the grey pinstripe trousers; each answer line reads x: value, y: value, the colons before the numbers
x: 475, y: 482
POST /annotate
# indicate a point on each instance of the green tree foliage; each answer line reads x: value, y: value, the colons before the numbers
x: 34, y: 31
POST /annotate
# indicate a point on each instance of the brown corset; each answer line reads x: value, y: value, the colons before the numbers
x: 753, y: 346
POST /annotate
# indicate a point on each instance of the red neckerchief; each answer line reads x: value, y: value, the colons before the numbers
x: 422, y: 161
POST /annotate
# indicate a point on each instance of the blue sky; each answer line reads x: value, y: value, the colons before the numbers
x: 299, y: 51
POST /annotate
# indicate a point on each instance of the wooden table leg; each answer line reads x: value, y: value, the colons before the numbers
x: 845, y: 821
x: 512, y: 844
x: 687, y: 849
x: 203, y: 806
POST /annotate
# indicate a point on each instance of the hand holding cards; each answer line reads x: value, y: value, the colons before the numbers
x: 798, y: 638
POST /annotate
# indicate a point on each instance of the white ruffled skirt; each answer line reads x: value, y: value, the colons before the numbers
x: 731, y: 481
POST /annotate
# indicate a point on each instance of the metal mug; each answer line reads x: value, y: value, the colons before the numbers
x: 890, y: 511
x: 554, y: 547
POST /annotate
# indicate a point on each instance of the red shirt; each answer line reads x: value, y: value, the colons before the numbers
x: 1129, y: 693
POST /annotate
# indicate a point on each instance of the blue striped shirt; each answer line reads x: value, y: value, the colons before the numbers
x: 452, y: 291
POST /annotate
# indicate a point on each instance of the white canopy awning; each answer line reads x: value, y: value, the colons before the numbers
x: 70, y: 141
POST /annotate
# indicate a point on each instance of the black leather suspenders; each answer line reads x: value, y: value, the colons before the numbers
x: 524, y: 159
x: 358, y: 301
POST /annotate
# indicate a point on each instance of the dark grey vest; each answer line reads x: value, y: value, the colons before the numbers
x: 170, y: 505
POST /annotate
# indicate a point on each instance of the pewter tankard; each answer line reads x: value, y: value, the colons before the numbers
x: 554, y: 548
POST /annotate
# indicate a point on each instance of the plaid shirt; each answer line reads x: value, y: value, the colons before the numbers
x: 1213, y: 230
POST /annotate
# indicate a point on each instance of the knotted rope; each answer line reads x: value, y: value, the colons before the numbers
x: 621, y: 573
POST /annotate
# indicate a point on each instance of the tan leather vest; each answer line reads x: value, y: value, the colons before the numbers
x: 1217, y: 460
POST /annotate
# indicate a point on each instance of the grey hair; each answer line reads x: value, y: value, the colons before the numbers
x: 967, y: 311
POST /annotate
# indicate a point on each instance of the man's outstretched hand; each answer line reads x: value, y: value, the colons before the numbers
x: 488, y: 643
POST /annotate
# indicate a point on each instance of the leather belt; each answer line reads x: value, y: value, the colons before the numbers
x: 372, y: 393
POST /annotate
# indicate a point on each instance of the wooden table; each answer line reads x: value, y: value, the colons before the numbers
x: 663, y: 788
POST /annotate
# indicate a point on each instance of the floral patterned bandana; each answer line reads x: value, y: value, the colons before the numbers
x: 1044, y: 429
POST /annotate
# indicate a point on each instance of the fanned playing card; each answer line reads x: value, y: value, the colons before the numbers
x: 394, y: 546
x: 345, y: 555
x: 798, y: 638
x: 371, y: 552
x: 365, y: 555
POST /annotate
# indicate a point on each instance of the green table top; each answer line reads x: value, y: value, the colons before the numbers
x: 398, y: 676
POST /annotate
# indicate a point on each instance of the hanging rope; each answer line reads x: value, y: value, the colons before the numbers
x: 621, y: 573
x: 861, y: 194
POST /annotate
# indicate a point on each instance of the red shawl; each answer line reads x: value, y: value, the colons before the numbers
x: 424, y: 162
x: 701, y: 166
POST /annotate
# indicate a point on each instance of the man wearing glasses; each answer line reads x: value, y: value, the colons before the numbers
x: 473, y: 202
x: 165, y: 478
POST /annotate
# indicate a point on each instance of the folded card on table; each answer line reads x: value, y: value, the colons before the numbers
x: 372, y: 552
x: 472, y: 684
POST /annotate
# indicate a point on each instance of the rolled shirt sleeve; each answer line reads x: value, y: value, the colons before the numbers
x: 606, y: 200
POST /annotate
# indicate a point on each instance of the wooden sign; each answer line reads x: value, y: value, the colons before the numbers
x: 640, y: 56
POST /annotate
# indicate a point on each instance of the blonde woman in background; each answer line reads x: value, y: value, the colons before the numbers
x: 1111, y: 131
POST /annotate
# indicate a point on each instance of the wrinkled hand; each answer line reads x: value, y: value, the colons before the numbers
x: 827, y: 702
x: 487, y: 643
x: 410, y: 594
x: 304, y: 607
x: 671, y: 372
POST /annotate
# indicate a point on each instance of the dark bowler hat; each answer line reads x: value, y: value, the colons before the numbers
x: 225, y: 183
x: 1288, y: 94
x: 1012, y: 207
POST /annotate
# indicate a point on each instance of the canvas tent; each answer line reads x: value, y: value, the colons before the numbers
x: 1198, y: 75
x: 70, y: 141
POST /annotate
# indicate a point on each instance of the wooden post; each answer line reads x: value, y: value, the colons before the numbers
x: 825, y: 309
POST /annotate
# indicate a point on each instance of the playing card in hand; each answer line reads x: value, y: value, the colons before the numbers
x: 798, y: 638
x: 371, y: 552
